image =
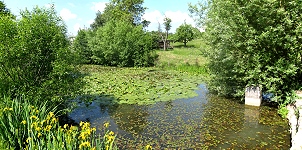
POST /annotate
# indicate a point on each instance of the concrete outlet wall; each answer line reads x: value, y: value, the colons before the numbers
x: 253, y: 96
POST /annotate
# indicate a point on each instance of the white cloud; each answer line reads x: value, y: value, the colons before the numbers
x: 89, y: 22
x: 66, y: 14
x: 76, y: 27
x: 98, y: 6
x: 177, y: 18
x: 49, y: 5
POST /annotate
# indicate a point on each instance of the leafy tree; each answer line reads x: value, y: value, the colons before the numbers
x: 258, y: 42
x: 184, y: 33
x: 81, y: 47
x: 119, y: 43
x: 33, y: 52
x: 99, y: 21
x: 126, y: 10
x: 4, y: 11
x: 167, y: 26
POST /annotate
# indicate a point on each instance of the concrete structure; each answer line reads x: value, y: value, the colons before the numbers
x: 253, y: 96
x: 295, y: 122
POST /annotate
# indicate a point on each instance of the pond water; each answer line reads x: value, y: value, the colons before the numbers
x: 202, y: 122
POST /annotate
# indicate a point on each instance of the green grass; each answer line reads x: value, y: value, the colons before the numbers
x: 184, y: 59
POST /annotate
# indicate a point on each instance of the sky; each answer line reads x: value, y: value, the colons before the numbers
x: 81, y: 13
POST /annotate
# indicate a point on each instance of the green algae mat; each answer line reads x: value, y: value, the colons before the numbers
x: 137, y: 85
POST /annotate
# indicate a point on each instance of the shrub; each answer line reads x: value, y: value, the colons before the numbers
x: 34, y: 53
x: 258, y: 42
x: 122, y: 44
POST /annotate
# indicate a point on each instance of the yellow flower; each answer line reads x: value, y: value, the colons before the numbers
x: 23, y: 122
x: 84, y: 144
x: 39, y: 135
x: 42, y: 122
x: 28, y: 139
x: 65, y: 126
x: 73, y: 128
x: 106, y: 125
x: 47, y: 128
x: 7, y: 108
x: 81, y: 123
x: 107, y: 147
x: 82, y: 136
x: 51, y: 114
x: 32, y: 107
x: 148, y: 147
x: 38, y: 129
x: 54, y: 120
x: 37, y: 111
x: 111, y: 133
x: 34, y: 124
x: 33, y: 117
x: 93, y: 129
x: 93, y: 148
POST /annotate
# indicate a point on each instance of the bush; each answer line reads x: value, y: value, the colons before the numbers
x: 255, y: 43
x: 80, y: 45
x: 34, y: 53
x: 122, y: 44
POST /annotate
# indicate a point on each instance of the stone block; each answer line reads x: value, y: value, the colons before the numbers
x: 253, y: 96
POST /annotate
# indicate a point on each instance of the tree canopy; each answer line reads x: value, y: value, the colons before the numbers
x: 184, y: 33
x: 126, y: 10
x: 254, y: 43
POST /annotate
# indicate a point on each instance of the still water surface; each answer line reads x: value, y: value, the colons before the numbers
x: 202, y: 122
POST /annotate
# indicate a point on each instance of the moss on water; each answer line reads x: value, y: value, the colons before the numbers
x: 138, y: 85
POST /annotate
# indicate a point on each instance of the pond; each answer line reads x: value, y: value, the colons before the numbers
x: 202, y: 122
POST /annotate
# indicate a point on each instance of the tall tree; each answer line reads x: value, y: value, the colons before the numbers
x: 4, y: 11
x: 184, y: 33
x: 80, y: 45
x: 99, y: 21
x: 126, y: 10
x: 258, y: 42
x: 167, y: 26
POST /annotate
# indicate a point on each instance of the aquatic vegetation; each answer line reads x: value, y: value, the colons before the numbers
x: 139, y: 85
x: 202, y: 122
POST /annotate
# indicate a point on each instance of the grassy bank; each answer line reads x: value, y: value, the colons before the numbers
x: 185, y: 59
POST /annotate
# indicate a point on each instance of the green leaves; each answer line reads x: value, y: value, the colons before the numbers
x: 119, y: 43
x: 184, y: 33
x: 254, y: 43
x: 33, y: 52
x: 139, y: 85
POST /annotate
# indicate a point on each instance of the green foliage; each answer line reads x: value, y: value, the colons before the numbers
x: 99, y: 21
x: 27, y: 126
x: 254, y: 43
x: 80, y: 45
x: 139, y: 85
x: 165, y: 36
x: 184, y: 33
x: 119, y: 43
x: 35, y: 56
x: 125, y: 10
x: 16, y: 111
x: 5, y: 11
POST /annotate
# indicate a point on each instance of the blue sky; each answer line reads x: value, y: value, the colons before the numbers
x: 80, y: 13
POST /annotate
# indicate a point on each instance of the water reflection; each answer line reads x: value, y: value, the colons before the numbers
x: 202, y: 122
